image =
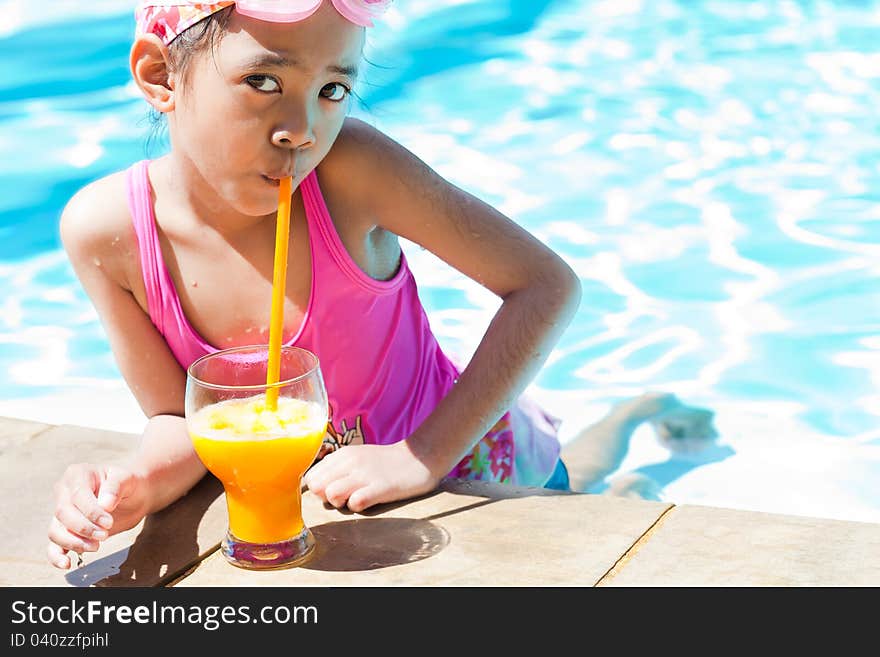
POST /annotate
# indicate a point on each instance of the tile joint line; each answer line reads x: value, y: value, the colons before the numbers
x: 631, y: 551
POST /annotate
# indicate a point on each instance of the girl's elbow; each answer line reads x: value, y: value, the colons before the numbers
x: 568, y: 287
x: 554, y: 286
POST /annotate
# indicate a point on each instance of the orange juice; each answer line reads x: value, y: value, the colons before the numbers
x: 260, y: 455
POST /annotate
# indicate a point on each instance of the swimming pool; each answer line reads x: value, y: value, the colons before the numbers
x: 708, y: 168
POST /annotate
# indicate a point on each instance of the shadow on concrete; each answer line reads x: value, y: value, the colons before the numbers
x: 166, y: 546
x: 373, y: 543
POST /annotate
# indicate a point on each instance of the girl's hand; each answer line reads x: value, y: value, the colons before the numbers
x: 360, y: 476
x: 93, y: 502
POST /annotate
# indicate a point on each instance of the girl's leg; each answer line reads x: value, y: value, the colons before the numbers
x: 599, y: 449
x: 633, y: 484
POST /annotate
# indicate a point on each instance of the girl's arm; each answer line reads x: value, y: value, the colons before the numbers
x: 93, y: 501
x: 540, y: 295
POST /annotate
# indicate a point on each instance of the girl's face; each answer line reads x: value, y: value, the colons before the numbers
x: 267, y: 102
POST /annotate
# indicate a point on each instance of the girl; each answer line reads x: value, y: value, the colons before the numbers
x: 176, y: 254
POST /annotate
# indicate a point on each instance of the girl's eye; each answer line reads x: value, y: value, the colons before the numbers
x: 334, y: 91
x: 263, y: 83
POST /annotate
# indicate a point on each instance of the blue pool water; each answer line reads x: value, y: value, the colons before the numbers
x: 708, y: 168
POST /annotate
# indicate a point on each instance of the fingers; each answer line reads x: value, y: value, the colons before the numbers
x: 67, y: 540
x: 327, y: 482
x: 62, y: 540
x: 363, y: 498
x: 74, y: 520
x: 57, y: 556
x: 339, y: 488
x: 75, y: 496
x: 359, y: 476
x: 79, y: 522
x: 323, y: 472
x: 348, y: 492
x: 84, y: 515
x: 117, y: 484
x: 331, y: 481
x: 338, y: 491
x: 310, y: 479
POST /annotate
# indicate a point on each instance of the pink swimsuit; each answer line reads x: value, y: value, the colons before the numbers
x: 383, y: 368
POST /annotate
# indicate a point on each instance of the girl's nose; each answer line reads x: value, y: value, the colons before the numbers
x: 293, y: 138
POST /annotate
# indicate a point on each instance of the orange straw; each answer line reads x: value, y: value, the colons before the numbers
x: 276, y: 324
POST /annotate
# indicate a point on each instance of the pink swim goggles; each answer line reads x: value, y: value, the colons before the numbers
x: 167, y: 19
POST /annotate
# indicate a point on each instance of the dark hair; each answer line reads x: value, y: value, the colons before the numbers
x: 204, y: 35
x: 197, y: 38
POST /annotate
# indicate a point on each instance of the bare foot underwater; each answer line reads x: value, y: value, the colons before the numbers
x: 598, y: 450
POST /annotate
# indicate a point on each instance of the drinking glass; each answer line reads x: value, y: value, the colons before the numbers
x: 259, y: 447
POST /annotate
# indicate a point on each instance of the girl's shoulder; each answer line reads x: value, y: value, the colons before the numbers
x: 366, y: 147
x: 96, y: 227
x: 345, y: 167
x: 364, y: 162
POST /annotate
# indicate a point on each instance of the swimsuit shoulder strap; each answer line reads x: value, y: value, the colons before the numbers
x: 140, y: 203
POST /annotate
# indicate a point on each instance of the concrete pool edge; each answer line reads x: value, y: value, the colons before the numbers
x: 608, y: 541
